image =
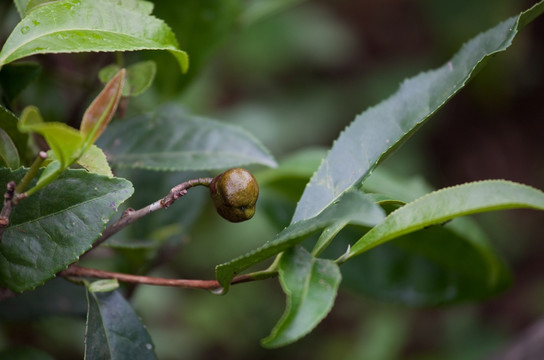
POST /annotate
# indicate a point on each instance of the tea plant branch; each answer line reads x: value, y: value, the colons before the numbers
x: 14, y: 192
x: 79, y: 271
x: 130, y: 215
x: 7, y: 207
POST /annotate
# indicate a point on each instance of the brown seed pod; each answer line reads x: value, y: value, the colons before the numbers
x: 235, y: 194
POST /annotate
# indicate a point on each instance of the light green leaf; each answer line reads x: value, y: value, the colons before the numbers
x: 105, y: 285
x: 49, y: 231
x: 310, y: 285
x: 139, y: 76
x: 50, y: 173
x: 171, y: 139
x: 20, y: 5
x: 114, y: 330
x: 145, y: 7
x: 66, y: 27
x: 448, y: 203
x: 64, y: 141
x: 95, y: 161
x: 353, y: 207
x: 374, y: 134
x: 8, y: 151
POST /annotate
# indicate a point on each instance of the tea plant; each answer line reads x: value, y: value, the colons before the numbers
x: 62, y: 200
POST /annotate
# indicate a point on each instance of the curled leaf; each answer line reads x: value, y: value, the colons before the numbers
x: 99, y: 114
x: 64, y: 141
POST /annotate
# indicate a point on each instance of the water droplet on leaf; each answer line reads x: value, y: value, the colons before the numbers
x: 24, y: 29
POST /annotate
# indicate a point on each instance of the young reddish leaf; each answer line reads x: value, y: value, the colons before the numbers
x: 101, y: 111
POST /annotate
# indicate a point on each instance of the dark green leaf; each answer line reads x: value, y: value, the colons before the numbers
x: 52, y: 228
x: 14, y: 78
x: 448, y: 203
x: 171, y: 139
x: 57, y: 297
x: 310, y: 285
x: 404, y: 189
x: 378, y: 131
x: 66, y: 27
x: 353, y: 207
x: 425, y: 268
x: 114, y: 331
x: 8, y: 151
x: 8, y: 122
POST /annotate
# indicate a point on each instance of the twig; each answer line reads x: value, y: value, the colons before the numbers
x: 529, y: 346
x: 131, y: 215
x: 7, y: 207
x: 14, y: 192
x: 78, y: 271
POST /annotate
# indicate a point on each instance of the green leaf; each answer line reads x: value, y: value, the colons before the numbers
x: 258, y: 10
x: 391, y: 186
x: 64, y: 141
x: 353, y: 207
x: 448, y: 203
x: 66, y: 27
x: 145, y: 7
x: 8, y: 151
x: 310, y: 285
x: 171, y: 139
x: 300, y: 165
x: 8, y: 122
x: 374, y: 134
x: 50, y: 230
x: 139, y: 77
x: 58, y: 297
x: 200, y: 26
x: 14, y: 78
x: 423, y: 268
x: 114, y: 330
x: 95, y: 161
x: 20, y: 5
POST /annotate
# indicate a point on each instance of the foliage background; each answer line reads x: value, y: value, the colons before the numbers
x: 295, y: 80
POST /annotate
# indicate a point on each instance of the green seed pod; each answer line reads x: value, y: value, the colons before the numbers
x: 235, y: 194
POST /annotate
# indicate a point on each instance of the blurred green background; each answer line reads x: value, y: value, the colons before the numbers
x: 295, y: 79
